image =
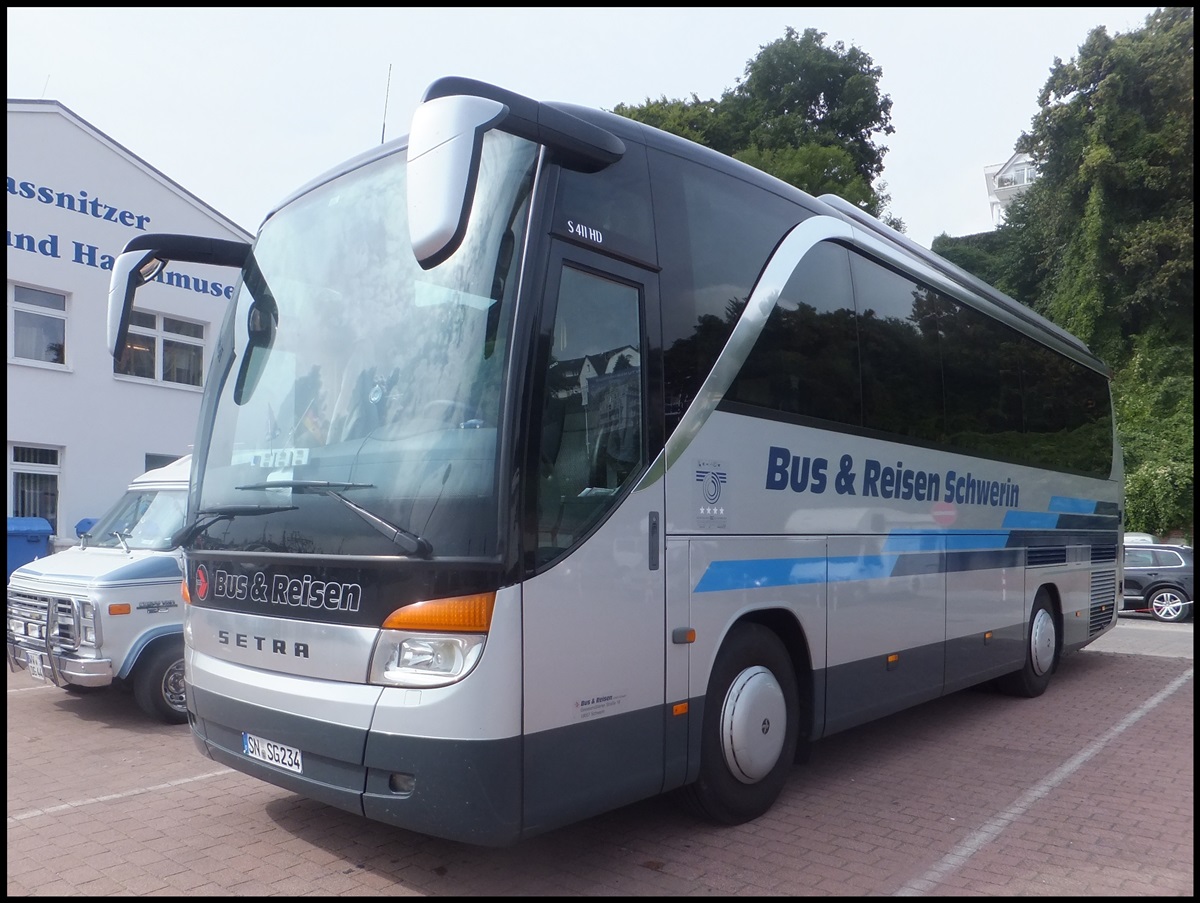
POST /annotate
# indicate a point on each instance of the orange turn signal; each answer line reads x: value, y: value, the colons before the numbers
x: 457, y: 614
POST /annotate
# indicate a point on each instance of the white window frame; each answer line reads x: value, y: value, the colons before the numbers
x: 49, y: 313
x: 160, y: 335
x: 54, y: 470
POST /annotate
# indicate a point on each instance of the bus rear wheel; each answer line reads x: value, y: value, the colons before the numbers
x: 1041, y: 653
x: 750, y: 730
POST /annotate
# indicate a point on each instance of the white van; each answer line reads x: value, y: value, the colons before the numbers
x: 109, y: 611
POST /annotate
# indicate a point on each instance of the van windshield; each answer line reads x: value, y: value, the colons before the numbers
x: 143, y: 519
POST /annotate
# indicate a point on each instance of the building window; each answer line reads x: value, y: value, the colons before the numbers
x: 37, y: 324
x: 1024, y: 173
x: 162, y: 348
x: 35, y: 483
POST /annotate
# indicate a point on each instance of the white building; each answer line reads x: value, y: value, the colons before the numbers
x: 1006, y: 181
x: 79, y: 426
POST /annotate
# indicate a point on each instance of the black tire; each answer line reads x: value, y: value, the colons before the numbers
x: 1042, y: 651
x: 79, y: 690
x: 746, y: 753
x: 1168, y: 605
x: 158, y: 684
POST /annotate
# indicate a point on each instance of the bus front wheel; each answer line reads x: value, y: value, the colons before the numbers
x: 1041, y: 653
x: 750, y: 730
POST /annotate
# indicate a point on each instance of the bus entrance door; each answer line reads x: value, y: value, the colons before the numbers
x: 593, y: 615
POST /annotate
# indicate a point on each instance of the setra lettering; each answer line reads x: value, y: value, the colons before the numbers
x: 260, y: 643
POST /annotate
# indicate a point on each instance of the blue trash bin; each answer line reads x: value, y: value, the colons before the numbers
x: 84, y: 525
x: 28, y: 538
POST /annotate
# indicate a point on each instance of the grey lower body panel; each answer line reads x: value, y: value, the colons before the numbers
x: 466, y: 790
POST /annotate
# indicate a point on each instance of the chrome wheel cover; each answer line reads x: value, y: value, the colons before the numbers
x: 1043, y: 640
x: 753, y: 724
x: 173, y: 690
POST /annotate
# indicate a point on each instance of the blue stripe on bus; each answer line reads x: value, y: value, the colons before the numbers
x: 904, y: 551
x: 1030, y: 520
x: 723, y: 576
x: 756, y: 573
x: 1072, y: 506
x: 946, y: 540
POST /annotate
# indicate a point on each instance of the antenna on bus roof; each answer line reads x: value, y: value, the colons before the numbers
x: 386, y: 91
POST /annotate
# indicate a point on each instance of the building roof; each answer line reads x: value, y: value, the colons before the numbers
x: 20, y: 105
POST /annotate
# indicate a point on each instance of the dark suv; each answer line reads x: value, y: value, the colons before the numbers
x: 1158, y: 579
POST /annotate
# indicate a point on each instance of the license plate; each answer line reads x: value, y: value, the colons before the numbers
x: 36, y: 671
x: 272, y: 753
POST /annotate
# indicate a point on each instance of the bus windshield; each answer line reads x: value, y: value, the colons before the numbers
x: 360, y: 405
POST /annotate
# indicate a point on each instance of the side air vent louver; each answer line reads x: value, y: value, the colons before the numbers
x: 1103, y: 601
x: 1104, y: 553
x: 1043, y: 555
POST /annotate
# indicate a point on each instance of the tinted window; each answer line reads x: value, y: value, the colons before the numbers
x: 611, y: 209
x: 982, y: 379
x: 592, y: 442
x: 1068, y: 420
x: 883, y: 352
x: 901, y: 365
x: 1138, y: 558
x: 716, y: 233
x: 805, y: 362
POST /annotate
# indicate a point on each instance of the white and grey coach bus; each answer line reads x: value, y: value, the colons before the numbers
x: 548, y: 462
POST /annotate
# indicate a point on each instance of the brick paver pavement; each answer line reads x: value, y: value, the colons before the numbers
x: 1087, y: 791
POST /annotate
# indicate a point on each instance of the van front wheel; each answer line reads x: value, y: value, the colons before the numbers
x: 158, y: 684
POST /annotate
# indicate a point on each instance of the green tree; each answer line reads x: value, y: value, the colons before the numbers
x: 982, y: 255
x: 1103, y: 242
x: 806, y: 113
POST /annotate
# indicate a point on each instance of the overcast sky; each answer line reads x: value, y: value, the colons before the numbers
x: 242, y: 106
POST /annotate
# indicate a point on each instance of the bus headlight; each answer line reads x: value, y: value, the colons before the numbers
x: 423, y: 660
x: 432, y: 643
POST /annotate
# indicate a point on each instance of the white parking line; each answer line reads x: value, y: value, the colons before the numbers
x: 958, y: 857
x: 30, y: 813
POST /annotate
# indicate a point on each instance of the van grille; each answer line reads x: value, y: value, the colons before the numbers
x: 28, y: 620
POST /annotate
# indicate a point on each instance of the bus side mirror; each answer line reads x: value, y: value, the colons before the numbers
x: 145, y: 257
x: 131, y: 270
x: 444, y: 148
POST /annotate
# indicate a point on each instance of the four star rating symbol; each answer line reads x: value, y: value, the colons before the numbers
x: 712, y: 511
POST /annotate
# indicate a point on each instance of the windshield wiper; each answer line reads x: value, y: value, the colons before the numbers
x: 206, y: 517
x: 410, y: 542
x: 307, y: 485
x: 121, y: 539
